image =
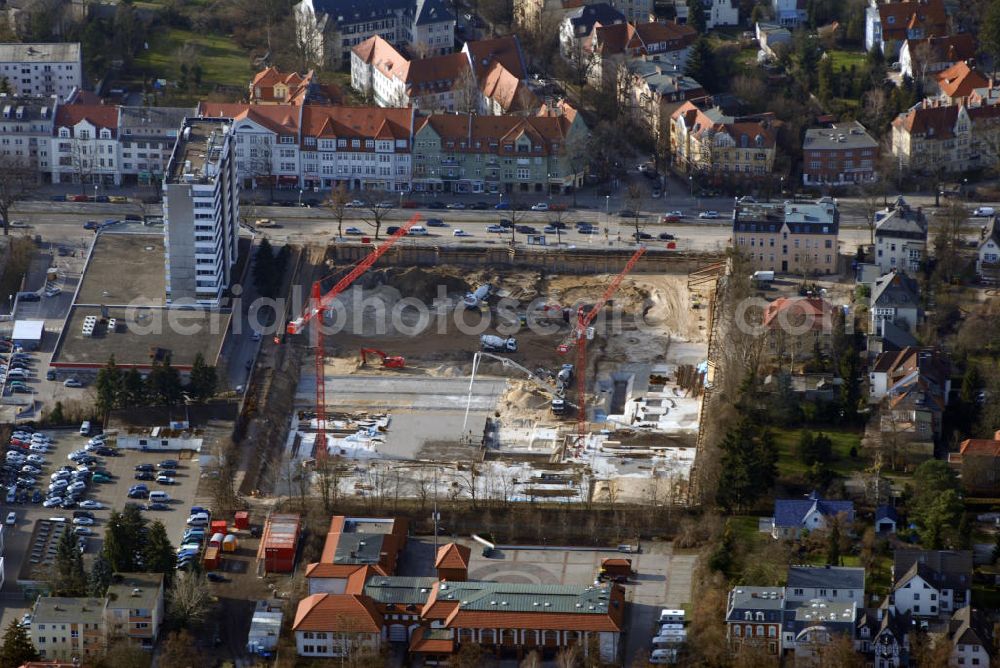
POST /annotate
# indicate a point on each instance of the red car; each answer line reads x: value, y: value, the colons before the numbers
x: 81, y: 198
x: 409, y: 204
x: 670, y: 218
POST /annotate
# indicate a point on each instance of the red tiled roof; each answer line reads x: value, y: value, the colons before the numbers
x: 981, y: 447
x: 452, y: 555
x: 501, y: 130
x: 951, y: 48
x: 639, y: 37
x: 437, y: 72
x: 356, y: 122
x: 341, y: 612
x: 960, y: 80
x: 936, y: 121
x: 796, y: 311
x: 282, y: 119
x: 897, y: 17
x: 328, y: 570
x: 505, y: 50
x: 99, y: 115
x: 511, y: 93
x: 383, y: 56
x: 420, y: 643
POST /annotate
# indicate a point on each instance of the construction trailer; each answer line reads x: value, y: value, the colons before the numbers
x: 279, y: 543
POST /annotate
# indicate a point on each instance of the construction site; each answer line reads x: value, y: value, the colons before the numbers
x: 508, y: 382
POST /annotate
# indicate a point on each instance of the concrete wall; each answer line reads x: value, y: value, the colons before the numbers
x: 178, y: 208
x: 565, y: 261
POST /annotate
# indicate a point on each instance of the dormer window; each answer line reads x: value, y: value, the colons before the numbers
x: 105, y: 134
x: 64, y: 133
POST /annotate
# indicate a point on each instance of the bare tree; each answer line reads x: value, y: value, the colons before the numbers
x: 375, y: 209
x: 260, y: 165
x: 17, y: 182
x: 329, y: 471
x: 466, y: 92
x: 189, y: 600
x: 337, y: 204
x: 633, y: 197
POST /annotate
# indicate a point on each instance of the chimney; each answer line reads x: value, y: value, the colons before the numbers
x: 996, y: 435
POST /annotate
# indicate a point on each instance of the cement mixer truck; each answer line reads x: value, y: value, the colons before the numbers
x: 474, y: 299
x: 497, y: 344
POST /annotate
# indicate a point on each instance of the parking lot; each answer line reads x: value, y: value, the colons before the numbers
x: 662, y: 580
x: 112, y: 495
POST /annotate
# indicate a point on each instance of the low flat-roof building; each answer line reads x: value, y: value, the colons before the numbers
x: 28, y: 333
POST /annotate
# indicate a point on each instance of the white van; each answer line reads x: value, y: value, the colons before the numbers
x: 418, y: 231
x: 160, y: 497
x: 663, y: 656
x: 85, y: 428
x: 671, y: 616
x: 983, y: 212
x: 198, y: 520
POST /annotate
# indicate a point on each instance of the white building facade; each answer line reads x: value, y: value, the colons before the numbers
x: 42, y: 69
x: 26, y: 124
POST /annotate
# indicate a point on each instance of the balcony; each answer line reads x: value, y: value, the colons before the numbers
x: 449, y: 162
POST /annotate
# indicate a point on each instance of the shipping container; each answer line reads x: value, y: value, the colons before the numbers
x: 219, y: 526
x: 278, y: 544
x: 211, y: 560
x: 229, y: 543
x: 216, y: 540
x: 242, y: 520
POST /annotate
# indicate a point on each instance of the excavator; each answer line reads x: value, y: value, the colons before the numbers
x: 388, y: 361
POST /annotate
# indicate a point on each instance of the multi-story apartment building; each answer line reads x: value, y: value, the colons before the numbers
x: 889, y: 24
x: 794, y: 237
x: 332, y: 28
x: 146, y: 137
x: 754, y: 616
x: 655, y: 91
x: 900, y: 238
x: 608, y: 47
x: 319, y: 147
x: 135, y: 608
x: 497, y: 154
x: 842, y: 154
x: 42, y: 69
x: 580, y: 22
x: 71, y: 629
x: 201, y: 206
x: 500, y: 70
x: 535, y: 14
x: 934, y: 136
x: 26, y: 124
x: 84, y: 148
x: 705, y: 140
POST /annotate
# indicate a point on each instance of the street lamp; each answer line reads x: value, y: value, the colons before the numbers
x: 607, y: 215
x: 691, y: 185
x: 95, y: 192
x: 300, y: 196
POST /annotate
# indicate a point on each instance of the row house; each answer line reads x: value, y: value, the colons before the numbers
x: 654, y: 91
x: 933, y: 136
x: 705, y: 140
x: 889, y: 24
x: 838, y: 155
x: 607, y: 47
x: 900, y: 238
x: 331, y: 28
x: 793, y: 237
x: 466, y: 153
x: 84, y: 148
x: 146, y: 137
x: 26, y: 124
x: 930, y: 55
x: 319, y: 147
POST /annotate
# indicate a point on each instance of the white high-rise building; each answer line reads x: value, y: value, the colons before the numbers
x: 201, y: 213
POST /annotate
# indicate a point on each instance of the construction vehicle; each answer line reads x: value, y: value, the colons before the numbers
x: 474, y: 299
x: 497, y: 344
x: 559, y: 404
x: 318, y: 303
x: 388, y: 361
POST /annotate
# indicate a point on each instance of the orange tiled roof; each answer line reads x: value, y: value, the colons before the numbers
x: 100, y: 115
x: 982, y: 447
x: 452, y: 555
x: 344, y: 612
x: 898, y: 17
x: 423, y: 640
x: 794, y: 311
x: 501, y: 130
x: 505, y: 50
x: 282, y: 119
x: 960, y: 80
x: 511, y: 93
x: 327, y: 570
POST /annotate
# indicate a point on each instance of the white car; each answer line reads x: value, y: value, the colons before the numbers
x: 460, y: 233
x: 72, y: 382
x: 78, y: 486
x: 541, y: 206
x: 52, y: 501
x: 31, y: 470
x: 38, y: 447
x: 83, y: 521
x: 40, y: 438
x: 709, y: 215
x: 11, y: 518
x: 354, y: 204
x: 83, y: 531
x: 36, y: 459
x: 91, y: 505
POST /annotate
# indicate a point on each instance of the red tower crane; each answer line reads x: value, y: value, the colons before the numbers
x: 319, y: 302
x: 579, y: 338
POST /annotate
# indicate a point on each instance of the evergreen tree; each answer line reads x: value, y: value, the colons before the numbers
x: 833, y: 544
x: 68, y: 578
x: 721, y: 559
x: 133, y: 389
x: 696, y: 15
x: 989, y: 32
x: 203, y: 380
x: 100, y: 576
x: 108, y: 387
x: 16, y: 649
x: 163, y: 385
x: 826, y: 79
x: 701, y: 64
x: 124, y: 538
x: 749, y: 465
x: 807, y: 449
x: 158, y: 553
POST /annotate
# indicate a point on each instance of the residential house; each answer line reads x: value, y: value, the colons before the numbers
x: 146, y: 138
x: 532, y: 14
x: 978, y: 464
x: 501, y: 72
x: 771, y: 40
x: 331, y: 28
x: 69, y: 628
x: 654, y: 91
x: 792, y: 517
x: 438, y: 83
x: 717, y: 13
x: 272, y: 86
x: 919, y: 58
x: 889, y: 337
x: 891, y: 368
x: 931, y: 583
x: 609, y: 46
x: 883, y: 636
x: 844, y: 584
x: 970, y: 633
x: 337, y: 626
x: 889, y: 24
x: 810, y: 625
x: 42, y: 69
x: 789, y: 13
x: 838, y: 155
x: 578, y: 25
x: 60, y: 16
x: 988, y: 258
x: 797, y: 326
x: 936, y: 137
x: 26, y: 124
x: 498, y: 154
x: 900, y: 238
x: 886, y: 520
x: 793, y: 237
x: 960, y: 80
x: 896, y: 299
x: 913, y: 386
x: 706, y: 141
x: 135, y: 609
x: 754, y: 615
x: 84, y: 148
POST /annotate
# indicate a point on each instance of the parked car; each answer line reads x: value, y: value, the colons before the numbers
x: 460, y: 233
x: 436, y: 222
x: 168, y: 464
x: 495, y: 229
x: 354, y: 231
x: 526, y: 229
x: 144, y: 475
x: 666, y: 236
x: 541, y: 206
x: 711, y: 215
x: 90, y: 504
x: 457, y: 206
x: 72, y: 382
x: 165, y: 480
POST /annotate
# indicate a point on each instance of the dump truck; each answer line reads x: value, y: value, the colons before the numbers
x: 497, y: 344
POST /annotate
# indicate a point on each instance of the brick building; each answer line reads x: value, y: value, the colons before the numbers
x: 842, y: 154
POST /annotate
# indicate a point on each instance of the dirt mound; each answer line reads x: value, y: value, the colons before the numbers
x: 425, y: 284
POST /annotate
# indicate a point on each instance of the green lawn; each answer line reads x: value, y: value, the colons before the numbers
x: 844, y: 59
x: 791, y: 465
x: 222, y: 60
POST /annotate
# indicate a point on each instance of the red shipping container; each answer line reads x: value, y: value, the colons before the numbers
x: 278, y: 544
x: 242, y: 520
x: 219, y: 526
